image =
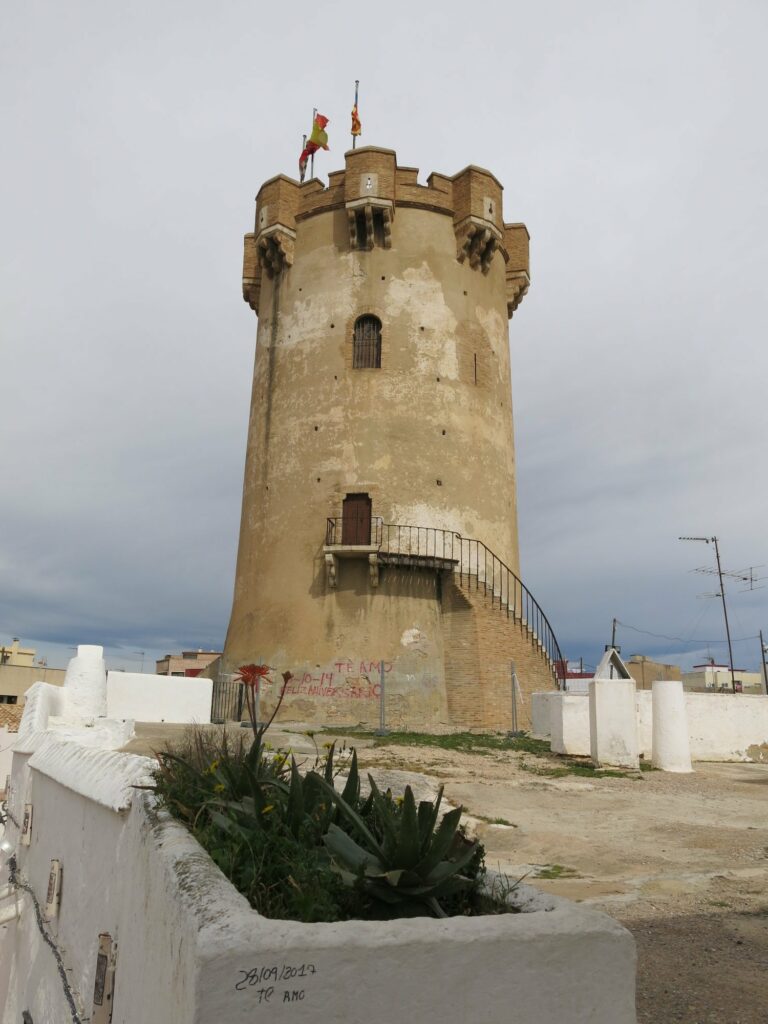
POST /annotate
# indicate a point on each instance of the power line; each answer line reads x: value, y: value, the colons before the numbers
x: 679, y: 639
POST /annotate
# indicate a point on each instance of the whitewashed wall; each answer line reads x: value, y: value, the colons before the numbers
x: 541, y: 714
x: 149, y: 698
x: 7, y: 739
x: 191, y: 950
x: 722, y: 726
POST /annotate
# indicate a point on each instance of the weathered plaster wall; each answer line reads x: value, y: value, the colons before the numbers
x: 150, y: 698
x: 428, y: 435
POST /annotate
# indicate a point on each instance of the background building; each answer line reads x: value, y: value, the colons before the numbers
x: 378, y: 540
x: 19, y: 670
x: 188, y: 663
x: 716, y: 678
x: 645, y: 670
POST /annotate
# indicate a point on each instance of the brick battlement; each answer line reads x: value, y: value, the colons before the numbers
x: 372, y: 179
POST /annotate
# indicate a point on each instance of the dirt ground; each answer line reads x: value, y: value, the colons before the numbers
x: 680, y: 860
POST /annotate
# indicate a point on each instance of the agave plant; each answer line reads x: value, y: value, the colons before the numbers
x: 285, y: 795
x: 413, y: 864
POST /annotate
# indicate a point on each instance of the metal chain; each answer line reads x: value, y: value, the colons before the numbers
x: 18, y: 883
x: 6, y: 813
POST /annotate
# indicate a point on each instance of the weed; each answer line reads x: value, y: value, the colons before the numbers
x: 469, y: 742
x: 556, y: 871
x: 568, y: 766
x: 494, y: 821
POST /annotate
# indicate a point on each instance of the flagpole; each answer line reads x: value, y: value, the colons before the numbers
x: 312, y: 158
x: 354, y: 137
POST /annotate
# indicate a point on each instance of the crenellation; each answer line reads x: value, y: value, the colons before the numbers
x: 516, y: 245
x: 277, y: 203
x: 372, y: 181
x: 407, y: 175
x: 251, y: 272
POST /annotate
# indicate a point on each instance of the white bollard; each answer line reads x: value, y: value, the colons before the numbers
x: 613, y: 723
x: 85, y: 685
x: 671, y: 745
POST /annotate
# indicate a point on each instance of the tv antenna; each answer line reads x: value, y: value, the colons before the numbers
x: 720, y: 574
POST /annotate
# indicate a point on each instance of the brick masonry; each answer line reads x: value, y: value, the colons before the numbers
x: 481, y: 641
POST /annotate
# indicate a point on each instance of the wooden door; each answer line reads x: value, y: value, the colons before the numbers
x: 356, y: 519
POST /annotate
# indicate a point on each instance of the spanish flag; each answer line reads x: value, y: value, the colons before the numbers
x: 357, y: 128
x: 317, y: 140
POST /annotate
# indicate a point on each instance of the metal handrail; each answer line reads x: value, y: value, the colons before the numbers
x: 466, y: 557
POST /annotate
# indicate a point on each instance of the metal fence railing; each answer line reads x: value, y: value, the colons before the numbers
x: 469, y: 559
x: 228, y: 701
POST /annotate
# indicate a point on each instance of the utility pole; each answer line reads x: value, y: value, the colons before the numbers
x: 725, y: 613
x: 713, y: 540
x: 762, y: 662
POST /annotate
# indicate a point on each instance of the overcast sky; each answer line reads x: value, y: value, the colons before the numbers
x: 630, y: 138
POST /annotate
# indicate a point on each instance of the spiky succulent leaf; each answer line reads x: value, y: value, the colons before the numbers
x: 295, y: 810
x: 441, y: 843
x: 428, y: 812
x: 351, y: 791
x: 349, y: 854
x: 409, y: 846
x: 385, y: 813
x: 354, y: 818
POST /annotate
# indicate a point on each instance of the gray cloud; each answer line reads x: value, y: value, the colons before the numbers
x: 629, y: 140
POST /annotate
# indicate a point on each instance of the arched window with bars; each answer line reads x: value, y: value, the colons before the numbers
x: 366, y: 353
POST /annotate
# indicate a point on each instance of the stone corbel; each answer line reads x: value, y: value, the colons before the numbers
x: 367, y: 207
x: 276, y: 248
x: 373, y: 566
x: 476, y: 242
x: 517, y: 287
x: 331, y: 569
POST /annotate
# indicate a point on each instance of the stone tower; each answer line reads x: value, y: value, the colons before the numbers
x: 379, y: 522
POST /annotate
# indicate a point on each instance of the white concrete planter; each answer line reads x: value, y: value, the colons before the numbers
x: 190, y: 950
x: 553, y: 962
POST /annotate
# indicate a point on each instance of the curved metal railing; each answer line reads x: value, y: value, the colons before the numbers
x: 466, y: 557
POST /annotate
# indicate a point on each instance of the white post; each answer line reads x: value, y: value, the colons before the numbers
x: 671, y: 745
x: 85, y: 684
x: 613, y: 723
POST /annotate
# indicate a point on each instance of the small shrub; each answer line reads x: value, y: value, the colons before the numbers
x: 300, y: 848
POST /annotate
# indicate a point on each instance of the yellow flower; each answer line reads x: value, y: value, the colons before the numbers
x: 219, y: 787
x: 268, y: 808
x: 212, y: 767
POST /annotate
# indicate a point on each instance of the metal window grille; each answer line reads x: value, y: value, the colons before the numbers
x: 367, y: 344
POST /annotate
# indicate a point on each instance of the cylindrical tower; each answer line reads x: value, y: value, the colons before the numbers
x: 380, y: 472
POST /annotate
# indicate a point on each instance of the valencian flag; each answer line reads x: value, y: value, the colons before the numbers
x: 357, y: 128
x: 317, y: 140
